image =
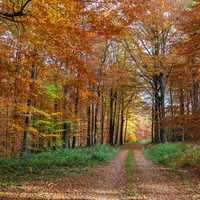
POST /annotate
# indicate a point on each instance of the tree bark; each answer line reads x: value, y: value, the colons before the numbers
x: 111, y: 118
x: 159, y: 108
x: 27, y: 119
x: 118, y: 123
x: 88, y: 126
x: 102, y: 118
x: 122, y: 122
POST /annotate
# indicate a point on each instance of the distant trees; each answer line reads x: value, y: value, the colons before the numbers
x: 161, y: 44
x: 182, y: 115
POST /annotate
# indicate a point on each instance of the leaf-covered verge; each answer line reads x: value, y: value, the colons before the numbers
x: 174, y: 155
x: 52, y: 164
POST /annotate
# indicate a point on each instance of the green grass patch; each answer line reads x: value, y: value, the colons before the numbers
x: 143, y: 142
x: 131, y: 189
x: 174, y: 154
x: 129, y: 163
x: 53, y: 164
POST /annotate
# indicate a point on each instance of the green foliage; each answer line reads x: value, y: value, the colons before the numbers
x: 174, y: 155
x: 14, y: 168
x: 52, y: 91
x: 143, y: 142
x: 50, y: 128
x: 191, y: 157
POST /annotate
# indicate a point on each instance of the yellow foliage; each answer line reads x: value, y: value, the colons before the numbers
x: 40, y: 112
x: 131, y: 138
x: 33, y: 130
x: 16, y: 127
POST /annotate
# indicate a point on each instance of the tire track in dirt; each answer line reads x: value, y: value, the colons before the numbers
x: 101, y: 182
x: 158, y: 183
x: 109, y: 182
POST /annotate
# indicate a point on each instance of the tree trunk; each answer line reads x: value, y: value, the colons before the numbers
x: 27, y: 119
x: 96, y: 117
x: 26, y: 127
x: 182, y: 111
x: 65, y: 135
x: 65, y: 124
x: 102, y: 119
x: 162, y: 108
x: 88, y: 126
x: 172, y: 114
x: 76, y: 113
x: 92, y: 124
x: 152, y: 122
x: 114, y: 116
x: 111, y: 119
x: 122, y: 122
x: 117, y: 125
x: 159, y: 109
x: 126, y: 126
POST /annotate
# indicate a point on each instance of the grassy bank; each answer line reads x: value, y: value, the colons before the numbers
x: 53, y: 163
x: 174, y: 155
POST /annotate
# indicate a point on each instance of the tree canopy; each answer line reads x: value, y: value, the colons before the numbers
x: 79, y: 73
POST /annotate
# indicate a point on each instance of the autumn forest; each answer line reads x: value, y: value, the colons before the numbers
x: 89, y: 81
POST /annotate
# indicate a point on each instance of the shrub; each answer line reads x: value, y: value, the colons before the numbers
x: 162, y: 153
x: 69, y: 158
x: 174, y: 155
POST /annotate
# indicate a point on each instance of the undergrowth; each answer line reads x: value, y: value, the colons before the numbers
x: 174, y: 154
x: 51, y: 164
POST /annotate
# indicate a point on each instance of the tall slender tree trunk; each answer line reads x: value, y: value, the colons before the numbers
x: 126, y: 126
x: 122, y: 122
x: 114, y: 116
x: 95, y: 123
x: 65, y: 124
x: 65, y: 135
x: 182, y: 111
x: 27, y: 119
x: 92, y: 123
x: 102, y: 118
x: 26, y: 127
x: 152, y: 122
x: 117, y: 123
x: 162, y: 108
x: 159, y: 108
x: 76, y: 113
x: 96, y: 117
x: 89, y: 126
x: 111, y: 118
x: 172, y: 113
x: 156, y: 110
x: 195, y: 97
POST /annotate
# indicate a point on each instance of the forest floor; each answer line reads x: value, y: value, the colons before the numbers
x: 110, y: 182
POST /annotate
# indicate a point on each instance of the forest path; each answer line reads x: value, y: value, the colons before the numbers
x: 97, y: 183
x: 158, y: 183
x: 109, y: 182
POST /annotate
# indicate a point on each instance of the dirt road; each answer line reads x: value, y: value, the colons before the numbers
x: 109, y: 182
